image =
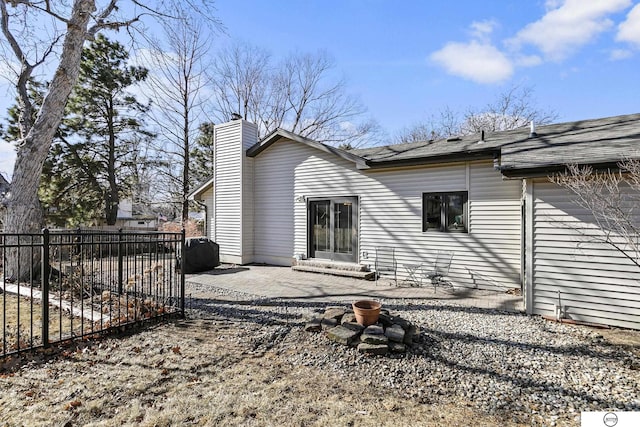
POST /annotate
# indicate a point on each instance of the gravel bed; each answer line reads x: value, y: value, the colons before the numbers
x: 522, y: 368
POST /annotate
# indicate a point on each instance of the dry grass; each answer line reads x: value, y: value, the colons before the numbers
x: 203, y: 372
x: 30, y: 318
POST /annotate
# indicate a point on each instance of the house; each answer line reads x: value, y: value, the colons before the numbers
x: 132, y: 215
x: 487, y: 197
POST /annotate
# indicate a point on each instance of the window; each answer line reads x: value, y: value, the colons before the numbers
x: 444, y: 212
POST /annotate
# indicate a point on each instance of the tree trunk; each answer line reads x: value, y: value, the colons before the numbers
x: 24, y: 214
x: 112, y: 199
x: 111, y: 207
x: 185, y: 169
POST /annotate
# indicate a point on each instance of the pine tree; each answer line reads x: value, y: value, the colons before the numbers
x: 97, y: 146
x: 202, y: 155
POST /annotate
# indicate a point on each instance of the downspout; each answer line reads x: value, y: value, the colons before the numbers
x: 528, y: 245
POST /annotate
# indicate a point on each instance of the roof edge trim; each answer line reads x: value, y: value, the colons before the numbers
x: 195, y: 194
x: 279, y: 134
x: 444, y: 158
x: 545, y: 171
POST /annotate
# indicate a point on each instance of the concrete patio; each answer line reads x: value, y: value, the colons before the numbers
x: 286, y: 284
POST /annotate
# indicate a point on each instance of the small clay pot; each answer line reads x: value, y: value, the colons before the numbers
x: 366, y: 311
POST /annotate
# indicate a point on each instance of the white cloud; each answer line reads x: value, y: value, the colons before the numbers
x: 567, y: 26
x: 629, y: 30
x: 618, y: 54
x: 528, y: 60
x: 477, y: 61
x: 481, y: 30
x: 553, y: 4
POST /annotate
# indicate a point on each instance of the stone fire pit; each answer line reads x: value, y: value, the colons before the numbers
x: 391, y: 333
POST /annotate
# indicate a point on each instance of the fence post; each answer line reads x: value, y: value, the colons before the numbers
x: 120, y: 264
x: 182, y: 261
x: 45, y: 269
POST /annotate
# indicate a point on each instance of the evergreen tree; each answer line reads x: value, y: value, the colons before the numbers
x: 96, y: 153
x: 59, y: 188
x: 98, y: 150
x: 202, y: 155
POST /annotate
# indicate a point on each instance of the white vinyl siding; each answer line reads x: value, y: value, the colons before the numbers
x: 249, y: 137
x: 390, y: 204
x: 207, y: 199
x: 227, y: 177
x: 232, y: 206
x: 592, y: 281
x: 274, y: 203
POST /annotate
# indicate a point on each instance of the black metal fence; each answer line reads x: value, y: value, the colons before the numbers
x: 61, y: 285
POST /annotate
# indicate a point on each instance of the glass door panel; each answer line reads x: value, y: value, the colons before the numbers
x: 333, y: 229
x: 342, y: 227
x: 320, y: 225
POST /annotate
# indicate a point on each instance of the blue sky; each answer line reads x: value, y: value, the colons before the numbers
x: 406, y: 61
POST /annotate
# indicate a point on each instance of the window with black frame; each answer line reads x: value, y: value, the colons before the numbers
x: 445, y: 211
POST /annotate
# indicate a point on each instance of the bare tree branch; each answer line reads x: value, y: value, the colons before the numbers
x: 298, y: 95
x: 80, y: 21
x: 611, y: 198
x: 510, y: 110
x: 177, y: 86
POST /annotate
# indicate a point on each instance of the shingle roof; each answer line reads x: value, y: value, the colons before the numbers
x: 598, y: 141
x: 603, y: 141
x: 464, y: 146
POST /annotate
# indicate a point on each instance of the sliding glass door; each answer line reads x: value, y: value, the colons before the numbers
x: 333, y: 229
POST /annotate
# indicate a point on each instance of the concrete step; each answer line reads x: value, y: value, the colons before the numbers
x: 367, y: 275
x: 337, y: 265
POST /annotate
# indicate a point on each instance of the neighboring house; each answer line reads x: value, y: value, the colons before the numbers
x: 135, y: 216
x: 4, y: 188
x: 485, y: 197
x: 202, y: 193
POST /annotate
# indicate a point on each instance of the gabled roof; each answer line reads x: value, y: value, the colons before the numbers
x: 279, y: 134
x: 599, y: 142
x: 204, y: 186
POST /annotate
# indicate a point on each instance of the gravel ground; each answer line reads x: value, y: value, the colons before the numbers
x: 522, y: 368
x: 246, y: 360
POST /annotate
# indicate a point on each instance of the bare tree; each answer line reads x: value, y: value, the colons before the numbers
x: 297, y: 94
x: 57, y: 44
x: 178, y: 84
x: 241, y: 84
x: 419, y: 132
x: 612, y: 198
x: 510, y: 110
